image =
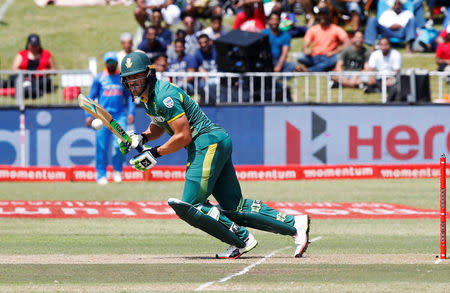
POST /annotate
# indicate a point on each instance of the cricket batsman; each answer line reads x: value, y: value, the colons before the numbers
x: 209, y: 168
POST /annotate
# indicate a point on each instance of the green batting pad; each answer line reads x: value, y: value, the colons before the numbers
x: 255, y: 214
x: 206, y: 223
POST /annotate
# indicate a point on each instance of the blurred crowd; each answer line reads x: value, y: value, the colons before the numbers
x: 338, y: 35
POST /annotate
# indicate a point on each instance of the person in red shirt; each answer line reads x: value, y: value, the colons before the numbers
x: 441, y: 37
x: 252, y: 18
x: 443, y: 52
x: 34, y: 57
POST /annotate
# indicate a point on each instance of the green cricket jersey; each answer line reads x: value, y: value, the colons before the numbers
x: 209, y: 168
x: 170, y: 103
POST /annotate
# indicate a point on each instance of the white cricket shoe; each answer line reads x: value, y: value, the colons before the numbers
x: 102, y: 181
x: 301, y: 238
x: 234, y: 252
x: 117, y: 175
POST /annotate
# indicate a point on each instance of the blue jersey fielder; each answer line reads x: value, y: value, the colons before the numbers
x: 107, y: 88
x: 111, y: 94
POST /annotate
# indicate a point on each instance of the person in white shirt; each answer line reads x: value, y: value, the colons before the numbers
x: 385, y: 60
x: 393, y: 23
x: 170, y: 11
x: 126, y: 42
x: 215, y: 30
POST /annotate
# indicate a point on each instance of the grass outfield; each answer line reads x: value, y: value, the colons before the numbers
x: 118, y: 255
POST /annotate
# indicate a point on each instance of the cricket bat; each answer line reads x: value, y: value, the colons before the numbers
x: 99, y: 112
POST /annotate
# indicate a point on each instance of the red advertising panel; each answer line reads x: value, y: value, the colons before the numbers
x: 88, y: 173
x: 410, y: 171
x: 340, y: 172
x: 255, y: 173
x: 34, y: 174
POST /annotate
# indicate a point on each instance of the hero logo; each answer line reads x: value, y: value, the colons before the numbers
x: 349, y: 135
x: 398, y: 136
x: 49, y: 143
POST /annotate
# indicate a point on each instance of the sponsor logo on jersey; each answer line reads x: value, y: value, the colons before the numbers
x: 168, y: 102
x: 159, y: 118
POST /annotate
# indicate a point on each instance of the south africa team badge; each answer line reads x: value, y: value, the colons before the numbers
x: 168, y: 102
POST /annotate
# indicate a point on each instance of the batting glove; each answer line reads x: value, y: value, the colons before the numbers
x: 145, y: 160
x: 136, y: 140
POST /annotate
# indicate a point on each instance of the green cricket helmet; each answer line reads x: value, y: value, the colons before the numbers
x: 135, y: 63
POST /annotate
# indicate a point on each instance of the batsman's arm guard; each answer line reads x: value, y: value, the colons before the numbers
x: 207, y: 223
x: 255, y: 214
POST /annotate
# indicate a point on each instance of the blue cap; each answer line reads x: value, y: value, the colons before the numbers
x: 111, y: 55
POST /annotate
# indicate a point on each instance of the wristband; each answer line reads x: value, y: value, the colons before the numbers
x: 144, y: 138
x: 154, y: 152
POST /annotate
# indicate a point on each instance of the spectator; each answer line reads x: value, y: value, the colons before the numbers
x: 108, y: 89
x: 272, y: 6
x: 151, y: 45
x: 415, y: 6
x: 302, y: 7
x: 201, y: 8
x: 179, y: 34
x: 433, y: 4
x: 183, y: 63
x: 353, y: 58
x: 206, y: 59
x: 161, y: 64
x: 418, y: 11
x: 126, y: 42
x: 190, y: 25
x: 426, y: 38
x: 162, y: 33
x: 443, y: 52
x: 251, y: 19
x: 447, y: 18
x: 384, y: 61
x: 395, y: 22
x: 327, y: 41
x: 280, y: 43
x: 170, y: 12
x: 206, y: 55
x: 443, y: 34
x: 217, y: 10
x: 353, y: 7
x: 34, y: 57
x: 215, y: 30
x: 288, y: 24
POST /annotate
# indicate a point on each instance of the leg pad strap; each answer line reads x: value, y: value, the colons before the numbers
x: 255, y: 214
x: 206, y: 222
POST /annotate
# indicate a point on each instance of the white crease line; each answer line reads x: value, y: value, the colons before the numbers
x: 5, y: 7
x: 437, y: 261
x: 316, y: 239
x: 244, y: 271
